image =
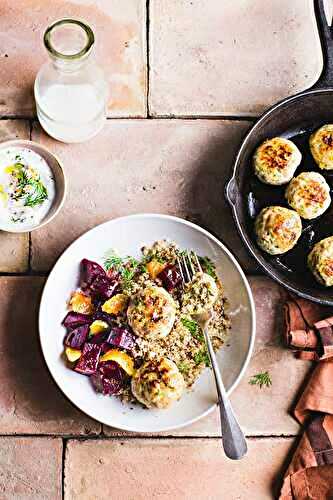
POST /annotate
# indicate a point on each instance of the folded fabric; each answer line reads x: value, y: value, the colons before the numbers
x: 310, y: 473
x: 306, y: 331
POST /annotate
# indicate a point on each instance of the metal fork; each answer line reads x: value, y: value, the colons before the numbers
x: 233, y: 439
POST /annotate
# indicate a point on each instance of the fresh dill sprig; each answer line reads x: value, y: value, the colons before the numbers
x: 193, y: 328
x: 31, y: 189
x: 126, y: 267
x: 128, y: 272
x: 112, y: 261
x: 182, y: 253
x: 208, y: 266
x: 21, y: 175
x: 202, y: 357
x: 183, y: 367
x: 261, y: 379
x: 38, y: 194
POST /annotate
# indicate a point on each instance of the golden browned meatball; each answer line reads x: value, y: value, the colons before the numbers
x: 158, y: 383
x: 151, y: 312
x: 277, y: 229
x: 320, y: 261
x: 309, y: 194
x: 321, y: 145
x: 276, y: 160
x: 200, y: 294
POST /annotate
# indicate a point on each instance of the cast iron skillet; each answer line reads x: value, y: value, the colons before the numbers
x: 295, y: 118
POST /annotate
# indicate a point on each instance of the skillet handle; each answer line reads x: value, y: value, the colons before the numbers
x: 230, y: 191
x: 325, y: 33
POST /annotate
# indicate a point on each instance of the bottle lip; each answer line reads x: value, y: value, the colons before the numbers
x: 77, y: 55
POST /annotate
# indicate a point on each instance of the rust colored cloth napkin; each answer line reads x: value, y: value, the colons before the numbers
x: 309, y: 332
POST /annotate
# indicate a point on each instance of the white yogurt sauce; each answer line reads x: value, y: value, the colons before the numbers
x: 27, y: 188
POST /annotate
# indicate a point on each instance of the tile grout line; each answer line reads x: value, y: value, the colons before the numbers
x: 154, y: 117
x: 30, y: 128
x: 16, y: 117
x: 118, y: 437
x: 30, y: 273
x: 29, y: 235
x: 64, y: 448
x: 230, y: 117
x: 148, y: 55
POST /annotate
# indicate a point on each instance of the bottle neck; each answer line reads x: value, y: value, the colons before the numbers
x: 69, y: 43
x: 69, y: 66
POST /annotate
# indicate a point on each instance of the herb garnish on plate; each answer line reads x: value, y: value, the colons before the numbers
x: 126, y: 267
x: 193, y: 328
x: 28, y: 185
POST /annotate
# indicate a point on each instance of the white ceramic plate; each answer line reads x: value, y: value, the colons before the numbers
x: 127, y: 235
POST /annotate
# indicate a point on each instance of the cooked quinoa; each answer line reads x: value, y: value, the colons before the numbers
x: 185, y: 344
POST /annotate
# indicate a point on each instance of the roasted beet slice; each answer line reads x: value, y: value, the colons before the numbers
x: 103, y: 287
x: 121, y: 337
x: 89, y: 272
x: 77, y: 337
x: 73, y: 320
x: 109, y: 379
x: 105, y: 347
x: 103, y: 316
x: 87, y: 364
x: 95, y: 282
x: 99, y: 338
x: 170, y: 277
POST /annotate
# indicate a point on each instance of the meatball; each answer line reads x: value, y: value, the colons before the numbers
x: 151, y: 313
x: 157, y: 383
x: 276, y: 160
x: 320, y: 261
x: 309, y: 194
x: 321, y: 145
x: 277, y: 229
x: 200, y: 294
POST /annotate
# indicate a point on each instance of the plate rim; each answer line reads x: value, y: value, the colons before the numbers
x: 249, y: 295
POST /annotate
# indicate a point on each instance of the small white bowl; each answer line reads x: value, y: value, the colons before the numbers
x: 59, y: 179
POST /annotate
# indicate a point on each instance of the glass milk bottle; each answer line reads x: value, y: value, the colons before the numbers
x: 70, y: 89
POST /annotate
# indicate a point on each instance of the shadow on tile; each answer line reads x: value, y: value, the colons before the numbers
x: 28, y: 393
x: 206, y: 202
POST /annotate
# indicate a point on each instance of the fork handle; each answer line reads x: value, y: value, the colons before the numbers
x: 233, y: 439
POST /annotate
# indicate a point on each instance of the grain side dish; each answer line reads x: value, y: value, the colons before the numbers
x: 131, y: 325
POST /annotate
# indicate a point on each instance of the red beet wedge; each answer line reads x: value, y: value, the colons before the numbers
x: 109, y: 379
x: 88, y: 363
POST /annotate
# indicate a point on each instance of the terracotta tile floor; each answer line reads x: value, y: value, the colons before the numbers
x: 203, y: 59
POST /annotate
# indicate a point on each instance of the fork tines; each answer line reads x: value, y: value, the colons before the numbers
x: 188, y: 265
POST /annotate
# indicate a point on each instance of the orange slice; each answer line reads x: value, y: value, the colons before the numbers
x: 116, y: 304
x: 154, y: 268
x: 98, y: 326
x: 120, y: 357
x: 72, y: 354
x: 81, y: 303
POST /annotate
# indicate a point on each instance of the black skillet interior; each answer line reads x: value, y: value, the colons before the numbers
x: 259, y: 196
